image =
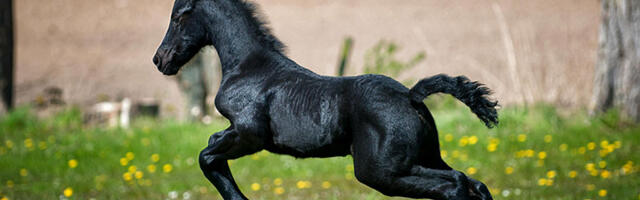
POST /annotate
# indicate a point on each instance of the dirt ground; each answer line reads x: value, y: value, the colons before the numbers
x: 525, y: 50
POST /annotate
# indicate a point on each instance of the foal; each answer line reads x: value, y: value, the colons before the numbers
x: 277, y: 105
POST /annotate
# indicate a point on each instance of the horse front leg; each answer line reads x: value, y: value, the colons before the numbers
x: 223, y: 146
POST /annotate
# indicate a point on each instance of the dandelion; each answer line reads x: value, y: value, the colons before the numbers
x: 28, y: 143
x: 68, y: 192
x: 133, y: 168
x: 548, y: 138
x: 508, y: 170
x: 73, y: 163
x: 603, y: 152
x: 4, y: 198
x: 127, y: 176
x: 594, y: 172
x: 443, y: 154
x: 24, y: 172
x: 138, y: 174
x: 124, y: 161
x: 10, y: 184
x: 542, y: 181
x: 602, y: 193
x: 166, y: 168
x: 551, y: 174
x: 42, y: 145
x: 326, y: 184
x: 255, y: 186
x: 155, y: 157
x: 130, y: 155
x: 582, y: 150
x: 617, y: 144
x: 589, y: 166
x: 473, y: 140
x: 602, y: 164
x: 277, y: 181
x: 349, y: 168
x: 542, y: 155
x: 471, y: 170
x: 303, y: 184
x: 591, y: 145
x: 563, y: 147
x: 522, y: 137
x: 278, y: 190
x: 9, y: 144
x: 448, y: 137
x: 573, y: 174
x: 605, y: 174
x: 604, y: 144
x: 492, y: 147
x: 151, y: 168
x: 627, y: 168
x: 463, y: 141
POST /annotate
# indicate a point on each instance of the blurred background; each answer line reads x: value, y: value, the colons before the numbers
x: 92, y: 117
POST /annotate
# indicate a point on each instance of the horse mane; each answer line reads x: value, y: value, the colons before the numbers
x: 263, y: 31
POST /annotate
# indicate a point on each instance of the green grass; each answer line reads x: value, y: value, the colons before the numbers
x: 44, y: 148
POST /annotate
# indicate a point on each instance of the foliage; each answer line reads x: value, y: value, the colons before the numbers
x: 381, y: 59
x: 535, y: 153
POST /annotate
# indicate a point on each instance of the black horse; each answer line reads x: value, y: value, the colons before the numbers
x: 275, y: 104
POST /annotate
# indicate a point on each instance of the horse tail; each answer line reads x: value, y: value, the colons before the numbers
x: 471, y: 93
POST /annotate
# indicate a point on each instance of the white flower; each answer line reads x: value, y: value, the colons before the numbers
x: 173, y: 195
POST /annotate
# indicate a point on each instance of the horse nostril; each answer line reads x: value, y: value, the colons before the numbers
x: 156, y: 60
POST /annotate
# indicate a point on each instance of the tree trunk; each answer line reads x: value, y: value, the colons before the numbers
x: 617, y: 73
x: 6, y: 54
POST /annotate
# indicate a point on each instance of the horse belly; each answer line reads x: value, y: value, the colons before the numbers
x: 302, y: 138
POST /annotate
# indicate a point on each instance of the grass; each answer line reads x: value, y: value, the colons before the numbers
x: 535, y: 153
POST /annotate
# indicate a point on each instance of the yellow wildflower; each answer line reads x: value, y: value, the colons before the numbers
x: 617, y: 144
x: 4, y: 198
x: 448, y: 137
x: 604, y: 144
x: 473, y: 140
x: 602, y: 164
x: 10, y: 184
x: 42, y: 145
x: 549, y: 182
x: 9, y: 144
x: 132, y: 168
x: 124, y: 161
x: 127, y: 176
x: 326, y: 184
x: 463, y: 141
x: 605, y: 174
x: 443, y: 154
x: 68, y: 192
x: 492, y: 147
x: 138, y: 174
x: 547, y: 138
x: 563, y: 147
x: 130, y: 155
x: 255, y: 186
x: 508, y: 170
x: 602, y: 193
x: 573, y: 174
x: 542, y: 181
x: 591, y: 145
x: 155, y: 157
x: 542, y: 155
x: 166, y: 168
x: 593, y: 172
x: 73, y: 163
x: 349, y: 167
x: 582, y: 150
x: 471, y: 170
x: 28, y: 143
x: 24, y: 172
x: 277, y: 181
x: 522, y: 137
x: 151, y: 168
x: 303, y: 184
x: 551, y: 174
x: 590, y: 166
x: 278, y: 190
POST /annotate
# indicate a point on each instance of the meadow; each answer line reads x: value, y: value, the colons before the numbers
x: 537, y: 152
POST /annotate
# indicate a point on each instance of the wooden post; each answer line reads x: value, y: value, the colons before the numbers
x: 6, y: 53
